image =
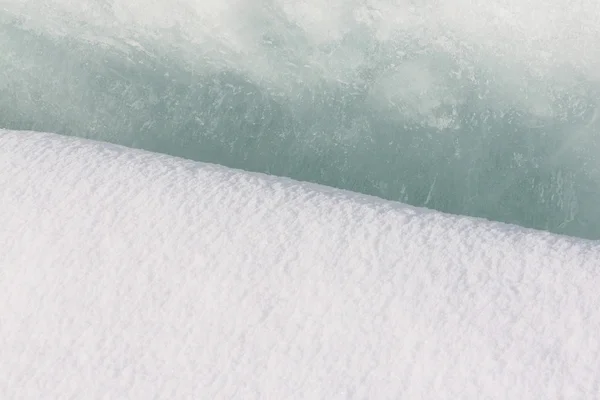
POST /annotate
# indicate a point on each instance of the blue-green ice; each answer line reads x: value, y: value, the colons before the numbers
x: 483, y: 108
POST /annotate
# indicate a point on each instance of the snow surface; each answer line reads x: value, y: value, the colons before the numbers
x: 127, y: 274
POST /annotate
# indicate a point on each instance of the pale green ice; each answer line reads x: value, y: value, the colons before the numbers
x: 487, y: 111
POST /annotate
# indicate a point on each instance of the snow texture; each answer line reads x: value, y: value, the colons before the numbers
x: 127, y: 274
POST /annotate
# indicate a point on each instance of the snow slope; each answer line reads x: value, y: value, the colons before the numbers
x: 126, y: 274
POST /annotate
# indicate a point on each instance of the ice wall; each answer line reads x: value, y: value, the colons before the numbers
x: 484, y: 108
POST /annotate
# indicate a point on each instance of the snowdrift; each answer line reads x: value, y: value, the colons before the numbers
x: 127, y: 274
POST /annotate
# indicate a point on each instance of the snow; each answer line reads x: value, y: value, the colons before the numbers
x: 127, y: 274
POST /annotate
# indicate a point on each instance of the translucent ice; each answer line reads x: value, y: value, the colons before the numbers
x: 484, y: 108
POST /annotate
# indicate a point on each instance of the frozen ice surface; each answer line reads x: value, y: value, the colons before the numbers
x: 487, y: 108
x: 127, y: 274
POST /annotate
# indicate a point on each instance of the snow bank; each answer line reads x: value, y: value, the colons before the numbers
x: 126, y: 274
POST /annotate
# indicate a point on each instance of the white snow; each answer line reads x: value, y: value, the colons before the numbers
x: 127, y: 274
